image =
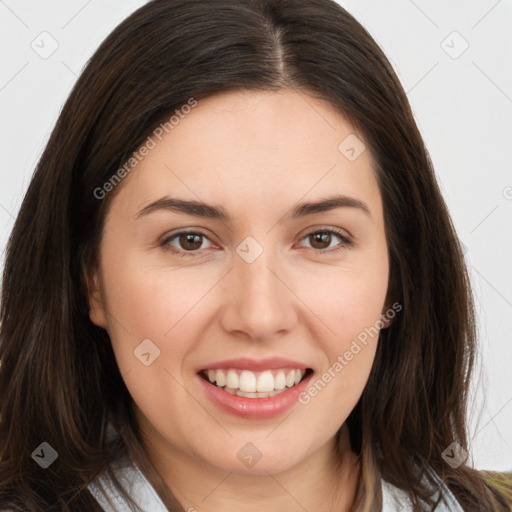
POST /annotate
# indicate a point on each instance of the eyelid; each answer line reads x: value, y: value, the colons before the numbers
x: 346, y: 239
x: 183, y: 231
x: 325, y: 228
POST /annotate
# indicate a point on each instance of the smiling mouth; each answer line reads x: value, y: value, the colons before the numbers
x: 250, y: 384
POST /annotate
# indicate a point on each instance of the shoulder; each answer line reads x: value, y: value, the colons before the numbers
x: 396, y: 500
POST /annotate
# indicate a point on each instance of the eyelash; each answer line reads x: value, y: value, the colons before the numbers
x: 346, y: 243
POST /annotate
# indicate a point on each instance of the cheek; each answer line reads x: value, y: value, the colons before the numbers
x: 143, y: 304
x: 349, y: 308
x: 347, y: 302
x: 151, y: 301
x: 146, y: 303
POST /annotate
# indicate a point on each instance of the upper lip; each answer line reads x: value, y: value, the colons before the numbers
x: 245, y: 363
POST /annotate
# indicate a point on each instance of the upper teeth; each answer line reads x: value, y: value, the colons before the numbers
x: 250, y: 382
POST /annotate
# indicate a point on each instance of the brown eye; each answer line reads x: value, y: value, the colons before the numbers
x: 320, y: 240
x: 190, y: 241
x: 327, y: 241
x: 185, y: 243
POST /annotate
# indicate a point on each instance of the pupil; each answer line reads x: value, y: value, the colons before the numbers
x: 321, y: 238
x: 187, y: 241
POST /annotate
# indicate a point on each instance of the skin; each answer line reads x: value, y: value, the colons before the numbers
x: 257, y: 154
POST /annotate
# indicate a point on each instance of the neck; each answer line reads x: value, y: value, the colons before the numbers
x: 325, y: 482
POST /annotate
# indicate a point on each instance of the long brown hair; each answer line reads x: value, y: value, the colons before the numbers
x: 59, y: 381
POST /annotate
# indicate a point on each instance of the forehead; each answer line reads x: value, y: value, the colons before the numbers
x: 254, y: 148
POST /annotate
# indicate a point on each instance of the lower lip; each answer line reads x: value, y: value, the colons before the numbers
x: 254, y: 408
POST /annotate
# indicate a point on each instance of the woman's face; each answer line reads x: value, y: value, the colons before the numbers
x: 264, y: 284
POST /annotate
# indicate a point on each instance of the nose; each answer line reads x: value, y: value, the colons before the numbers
x: 259, y: 303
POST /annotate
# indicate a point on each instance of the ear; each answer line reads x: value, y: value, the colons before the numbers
x: 95, y: 296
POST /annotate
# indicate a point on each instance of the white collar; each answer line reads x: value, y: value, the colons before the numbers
x: 136, y: 485
x: 141, y: 491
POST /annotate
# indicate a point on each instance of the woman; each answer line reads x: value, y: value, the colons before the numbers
x: 242, y: 285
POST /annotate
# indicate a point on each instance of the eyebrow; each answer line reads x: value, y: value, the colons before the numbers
x: 204, y: 210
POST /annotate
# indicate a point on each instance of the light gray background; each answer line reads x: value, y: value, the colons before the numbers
x: 462, y: 104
